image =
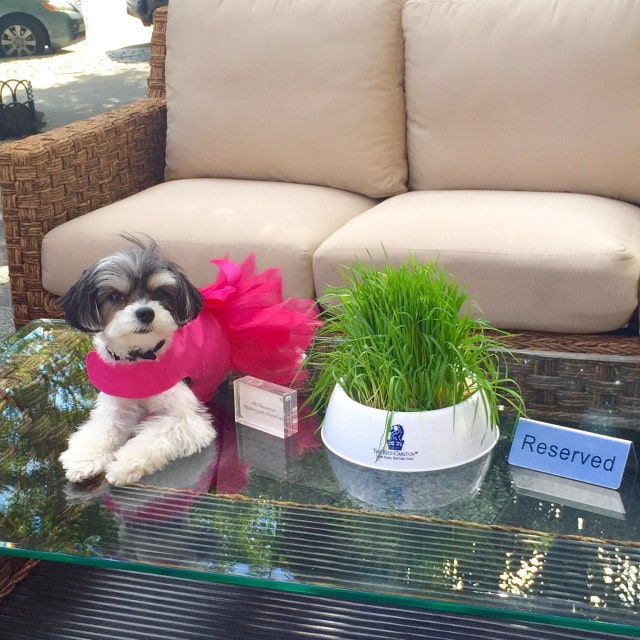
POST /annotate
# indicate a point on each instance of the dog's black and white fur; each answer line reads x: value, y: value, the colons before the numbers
x: 134, y: 301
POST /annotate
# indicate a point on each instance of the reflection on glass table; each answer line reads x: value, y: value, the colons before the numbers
x: 258, y: 510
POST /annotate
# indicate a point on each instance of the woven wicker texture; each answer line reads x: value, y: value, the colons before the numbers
x: 53, y: 177
x: 574, y: 390
x: 156, y: 82
x: 562, y: 376
x: 599, y: 344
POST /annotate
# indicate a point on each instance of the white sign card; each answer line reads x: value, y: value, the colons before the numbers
x: 266, y: 406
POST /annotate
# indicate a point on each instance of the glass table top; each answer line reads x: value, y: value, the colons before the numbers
x: 257, y: 510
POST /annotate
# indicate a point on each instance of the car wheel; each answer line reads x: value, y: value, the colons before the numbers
x: 21, y: 36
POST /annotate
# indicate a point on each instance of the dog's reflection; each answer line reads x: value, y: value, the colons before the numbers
x: 154, y: 519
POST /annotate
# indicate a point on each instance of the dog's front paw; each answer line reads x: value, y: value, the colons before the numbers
x: 121, y: 472
x: 82, y: 465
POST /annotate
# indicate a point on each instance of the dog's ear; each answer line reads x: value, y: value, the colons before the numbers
x: 188, y: 303
x: 80, y: 304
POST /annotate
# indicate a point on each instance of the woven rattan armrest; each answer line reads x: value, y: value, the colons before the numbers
x: 48, y: 179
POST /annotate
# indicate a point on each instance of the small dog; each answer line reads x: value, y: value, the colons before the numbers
x: 162, y: 348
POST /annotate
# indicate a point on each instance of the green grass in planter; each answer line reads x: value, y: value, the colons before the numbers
x: 408, y: 342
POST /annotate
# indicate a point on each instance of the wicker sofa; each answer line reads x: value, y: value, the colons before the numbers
x: 498, y: 136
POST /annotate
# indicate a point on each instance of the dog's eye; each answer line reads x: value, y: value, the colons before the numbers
x: 159, y: 295
x: 114, y: 296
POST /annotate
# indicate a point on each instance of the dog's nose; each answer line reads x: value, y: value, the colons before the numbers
x: 145, y: 314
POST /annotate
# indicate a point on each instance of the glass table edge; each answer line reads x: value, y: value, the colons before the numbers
x: 323, y: 591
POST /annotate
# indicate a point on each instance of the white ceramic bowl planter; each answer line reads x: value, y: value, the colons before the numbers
x: 419, y: 440
x: 448, y: 452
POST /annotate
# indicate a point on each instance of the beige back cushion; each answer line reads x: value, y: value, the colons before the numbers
x: 524, y: 94
x: 308, y: 91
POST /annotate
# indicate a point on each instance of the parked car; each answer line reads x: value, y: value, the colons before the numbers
x: 28, y: 26
x: 144, y: 9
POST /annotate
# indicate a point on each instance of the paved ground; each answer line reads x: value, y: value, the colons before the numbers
x: 107, y: 70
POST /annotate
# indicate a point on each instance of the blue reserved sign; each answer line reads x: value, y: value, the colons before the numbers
x: 570, y: 453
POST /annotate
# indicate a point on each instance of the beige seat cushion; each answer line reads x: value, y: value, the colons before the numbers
x: 195, y: 221
x: 308, y: 92
x: 542, y: 261
x: 540, y: 95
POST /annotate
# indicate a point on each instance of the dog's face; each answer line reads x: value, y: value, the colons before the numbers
x: 135, y: 298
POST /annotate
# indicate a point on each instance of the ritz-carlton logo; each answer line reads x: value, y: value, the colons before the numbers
x: 395, y: 441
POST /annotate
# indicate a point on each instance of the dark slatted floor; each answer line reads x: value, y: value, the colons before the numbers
x: 66, y: 602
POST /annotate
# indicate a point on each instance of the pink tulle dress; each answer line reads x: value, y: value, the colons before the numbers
x: 245, y: 325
